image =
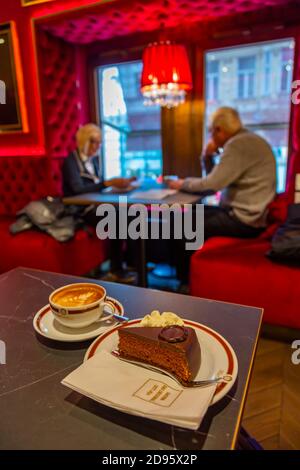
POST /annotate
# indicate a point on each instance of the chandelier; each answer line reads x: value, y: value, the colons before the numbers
x: 166, y: 75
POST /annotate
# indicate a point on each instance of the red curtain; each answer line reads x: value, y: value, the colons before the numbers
x: 294, y: 160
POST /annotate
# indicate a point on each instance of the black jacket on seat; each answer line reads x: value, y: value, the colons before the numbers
x: 286, y: 240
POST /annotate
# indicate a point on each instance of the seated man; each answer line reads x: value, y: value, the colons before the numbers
x: 246, y: 175
x: 82, y: 173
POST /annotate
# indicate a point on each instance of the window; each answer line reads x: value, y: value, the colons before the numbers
x: 131, y: 130
x: 257, y: 82
x: 286, y: 69
x: 212, y: 80
x: 246, y: 77
x: 267, y: 73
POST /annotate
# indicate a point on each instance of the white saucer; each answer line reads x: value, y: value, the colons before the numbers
x: 46, y: 325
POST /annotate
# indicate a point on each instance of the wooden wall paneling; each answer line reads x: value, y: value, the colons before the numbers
x: 182, y: 127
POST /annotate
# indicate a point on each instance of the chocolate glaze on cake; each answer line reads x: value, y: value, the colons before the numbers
x: 173, y: 348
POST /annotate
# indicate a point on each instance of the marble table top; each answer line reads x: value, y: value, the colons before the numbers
x: 37, y: 412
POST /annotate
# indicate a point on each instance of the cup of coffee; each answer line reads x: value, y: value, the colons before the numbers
x: 168, y: 178
x: 79, y: 305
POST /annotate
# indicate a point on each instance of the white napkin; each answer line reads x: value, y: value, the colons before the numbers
x: 141, y: 392
x: 153, y: 194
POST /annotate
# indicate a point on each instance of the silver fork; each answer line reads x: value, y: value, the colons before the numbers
x: 193, y: 383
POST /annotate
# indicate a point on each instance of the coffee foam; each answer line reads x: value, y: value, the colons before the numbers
x: 77, y: 296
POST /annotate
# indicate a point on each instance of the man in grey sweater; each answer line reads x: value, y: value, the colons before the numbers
x: 245, y: 175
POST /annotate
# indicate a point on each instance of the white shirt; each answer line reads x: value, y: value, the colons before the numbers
x: 89, y: 167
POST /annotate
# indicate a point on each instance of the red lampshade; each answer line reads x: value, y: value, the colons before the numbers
x: 166, y: 74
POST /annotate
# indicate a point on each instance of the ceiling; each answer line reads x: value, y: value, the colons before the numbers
x: 123, y: 18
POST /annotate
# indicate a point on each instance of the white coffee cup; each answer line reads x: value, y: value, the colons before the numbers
x: 81, y: 304
x: 168, y: 178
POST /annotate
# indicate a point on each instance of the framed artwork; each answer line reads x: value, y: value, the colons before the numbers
x: 26, y: 3
x: 13, y: 115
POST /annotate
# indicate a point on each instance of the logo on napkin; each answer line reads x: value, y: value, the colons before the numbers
x: 158, y: 393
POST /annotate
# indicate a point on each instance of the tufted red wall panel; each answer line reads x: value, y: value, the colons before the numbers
x: 24, y: 179
x: 61, y: 93
x: 31, y: 143
x: 55, y: 176
x: 123, y: 18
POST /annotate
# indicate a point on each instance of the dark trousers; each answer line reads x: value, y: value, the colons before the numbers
x: 116, y: 246
x: 218, y: 222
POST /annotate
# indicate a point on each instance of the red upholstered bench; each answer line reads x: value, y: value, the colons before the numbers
x: 236, y: 270
x: 31, y: 178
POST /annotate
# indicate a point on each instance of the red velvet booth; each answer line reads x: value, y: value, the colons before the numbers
x: 23, y: 179
x: 236, y: 270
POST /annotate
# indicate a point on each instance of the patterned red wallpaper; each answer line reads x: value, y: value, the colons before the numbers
x: 62, y: 96
x: 122, y: 18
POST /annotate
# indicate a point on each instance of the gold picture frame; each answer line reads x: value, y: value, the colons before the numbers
x: 28, y: 3
x: 13, y: 115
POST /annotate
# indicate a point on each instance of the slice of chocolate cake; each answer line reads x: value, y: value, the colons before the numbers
x: 173, y: 348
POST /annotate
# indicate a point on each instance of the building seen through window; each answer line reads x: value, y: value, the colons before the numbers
x: 131, y: 130
x: 212, y: 80
x: 246, y: 77
x: 255, y: 79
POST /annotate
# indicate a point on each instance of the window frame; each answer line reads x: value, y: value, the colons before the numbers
x: 283, y: 65
x: 267, y: 73
x: 103, y: 123
x: 231, y: 43
x: 210, y: 85
x: 246, y: 74
x: 202, y: 40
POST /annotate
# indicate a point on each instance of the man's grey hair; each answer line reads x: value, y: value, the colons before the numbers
x: 228, y: 119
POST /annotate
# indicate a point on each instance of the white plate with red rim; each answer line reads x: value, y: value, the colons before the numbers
x: 114, y: 190
x: 46, y: 325
x: 217, y: 355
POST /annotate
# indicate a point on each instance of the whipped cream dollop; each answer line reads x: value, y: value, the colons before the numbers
x: 164, y: 319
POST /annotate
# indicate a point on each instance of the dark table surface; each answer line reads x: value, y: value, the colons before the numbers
x: 37, y: 412
x: 111, y: 197
x: 114, y: 198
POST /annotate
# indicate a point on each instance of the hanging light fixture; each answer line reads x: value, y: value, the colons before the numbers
x: 166, y: 75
